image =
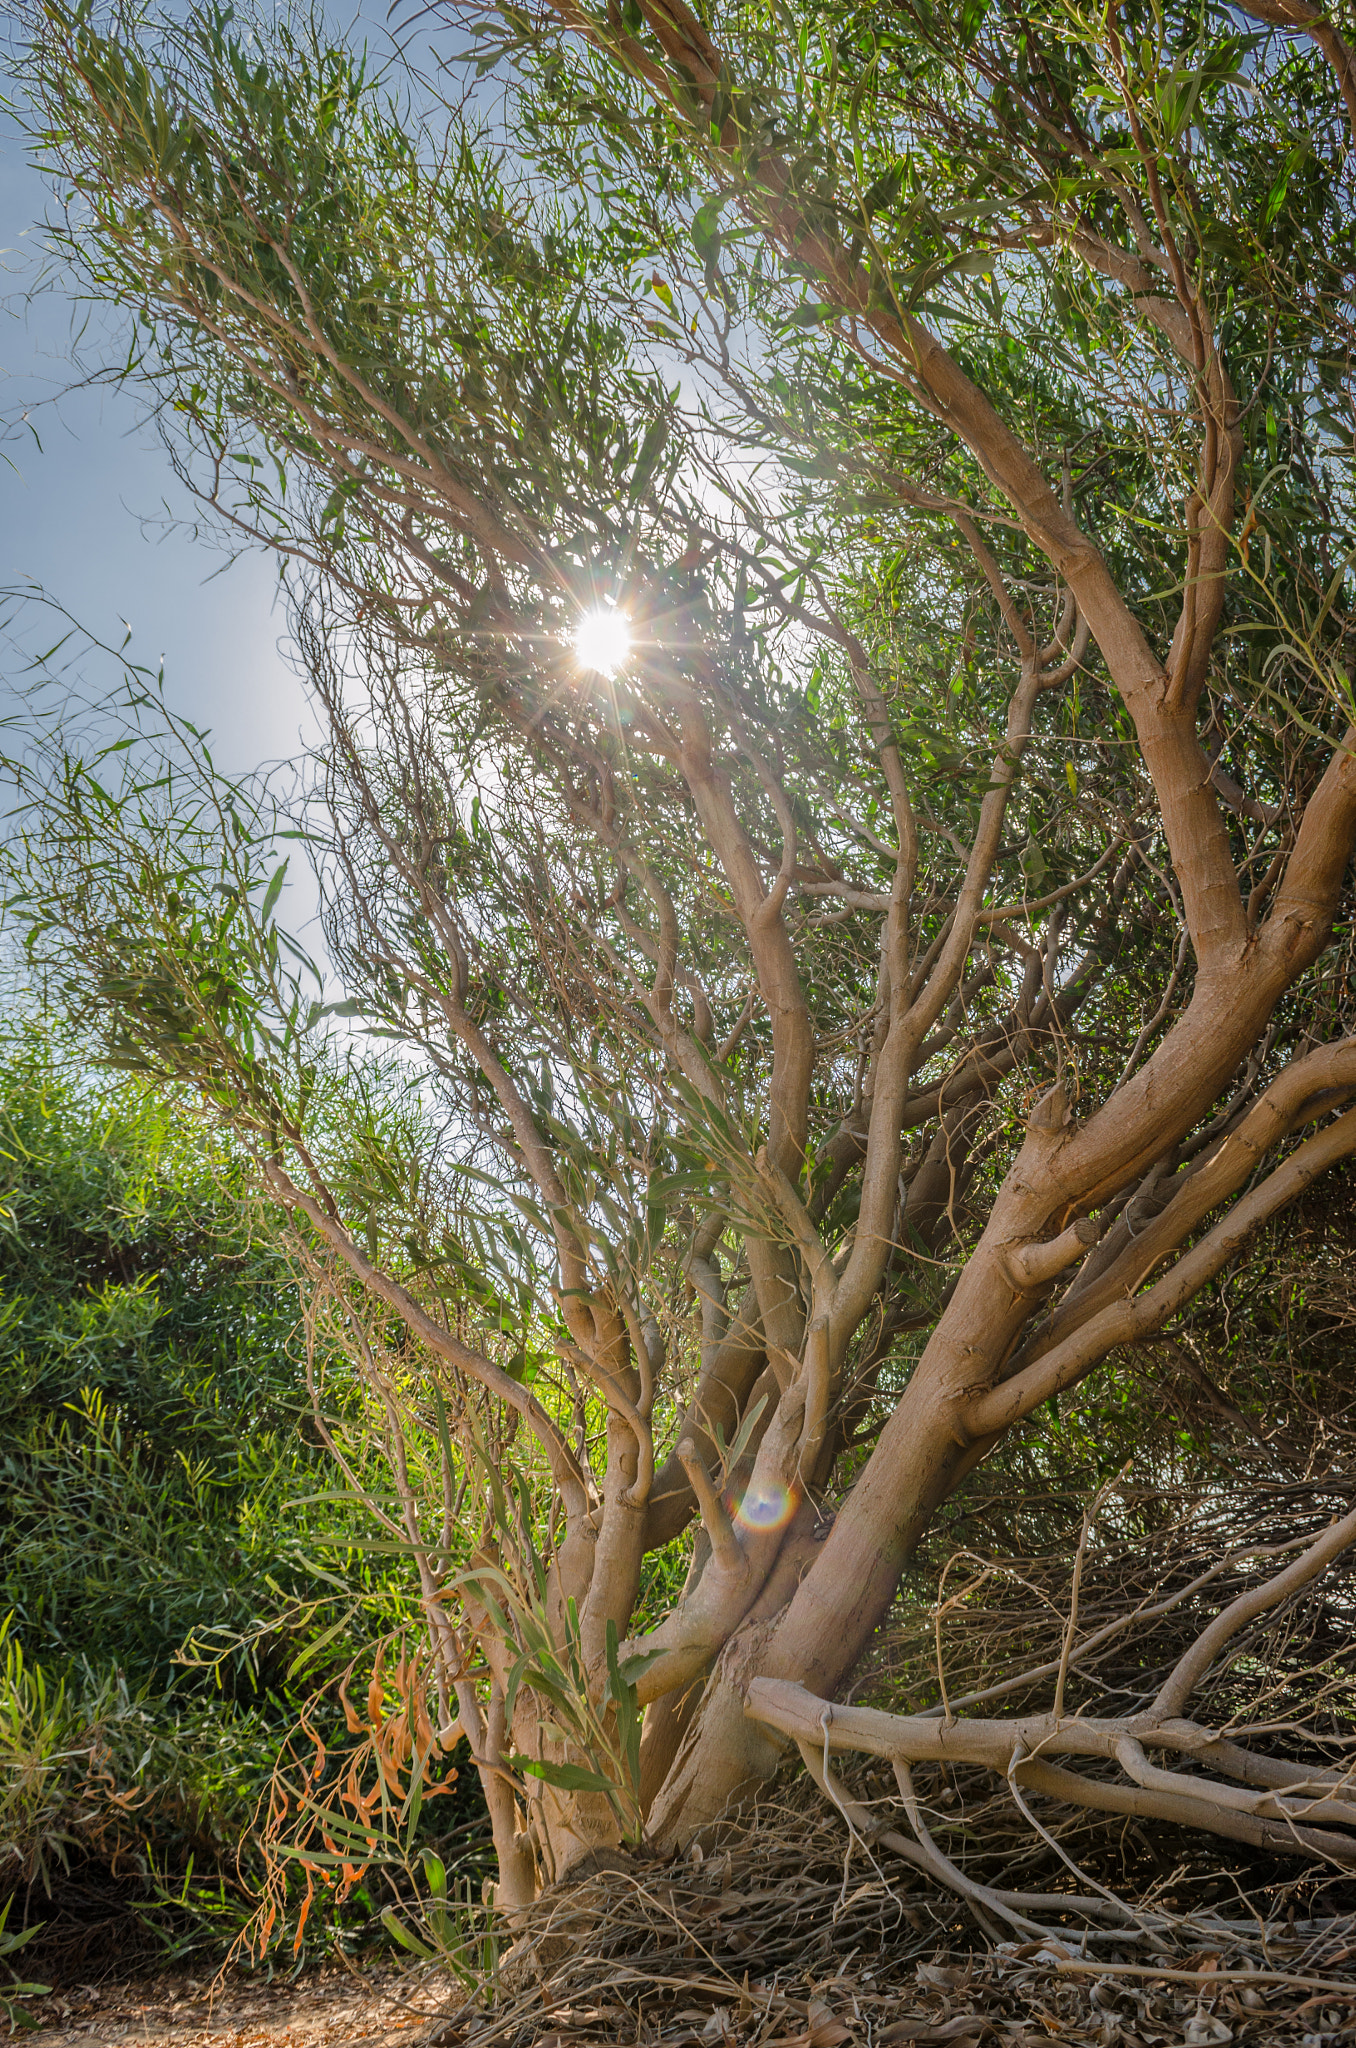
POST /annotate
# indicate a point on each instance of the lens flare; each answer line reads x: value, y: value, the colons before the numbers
x: 602, y: 640
x: 766, y: 1505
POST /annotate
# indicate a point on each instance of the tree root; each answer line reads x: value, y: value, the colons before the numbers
x: 1288, y: 1808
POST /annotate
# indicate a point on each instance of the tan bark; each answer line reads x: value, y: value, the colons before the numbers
x: 1293, y: 1809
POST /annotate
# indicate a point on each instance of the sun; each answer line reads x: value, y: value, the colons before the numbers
x: 602, y: 640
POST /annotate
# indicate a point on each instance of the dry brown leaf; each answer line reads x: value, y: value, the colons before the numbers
x: 928, y: 2033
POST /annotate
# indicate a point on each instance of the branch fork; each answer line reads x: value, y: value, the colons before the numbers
x: 1032, y: 1264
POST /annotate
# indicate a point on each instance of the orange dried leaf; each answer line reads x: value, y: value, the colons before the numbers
x: 351, y: 1721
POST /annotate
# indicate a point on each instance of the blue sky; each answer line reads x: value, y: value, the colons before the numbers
x: 84, y: 511
x: 91, y: 511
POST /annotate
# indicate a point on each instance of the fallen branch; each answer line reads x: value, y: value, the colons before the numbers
x: 1289, y: 1808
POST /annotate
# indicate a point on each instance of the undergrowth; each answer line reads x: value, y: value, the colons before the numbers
x: 179, y: 1578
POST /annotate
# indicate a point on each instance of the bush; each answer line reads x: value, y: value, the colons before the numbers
x: 177, y: 1572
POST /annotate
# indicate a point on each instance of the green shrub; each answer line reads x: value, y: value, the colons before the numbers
x: 178, y: 1571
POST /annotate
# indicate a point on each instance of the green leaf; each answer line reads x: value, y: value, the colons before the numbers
x: 272, y: 894
x: 398, y: 1931
x: 647, y: 461
x: 565, y: 1777
x: 1033, y: 865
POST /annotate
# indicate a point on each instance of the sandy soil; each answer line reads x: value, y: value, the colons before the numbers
x: 933, y: 2006
x: 333, y: 2006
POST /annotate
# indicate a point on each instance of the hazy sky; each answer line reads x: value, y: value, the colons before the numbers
x: 72, y: 515
x: 85, y: 514
x: 89, y: 501
x: 88, y: 505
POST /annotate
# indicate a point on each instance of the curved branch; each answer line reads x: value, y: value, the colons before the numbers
x: 1131, y: 1321
x: 1303, y: 1086
x: 716, y: 1522
x: 1189, y: 1670
x: 565, y: 1468
x: 1314, y: 23
x: 1021, y: 1747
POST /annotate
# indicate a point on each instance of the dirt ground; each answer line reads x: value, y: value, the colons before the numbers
x: 338, y: 2007
x: 934, y: 2006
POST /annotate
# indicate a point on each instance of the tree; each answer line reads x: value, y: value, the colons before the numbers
x: 822, y: 546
